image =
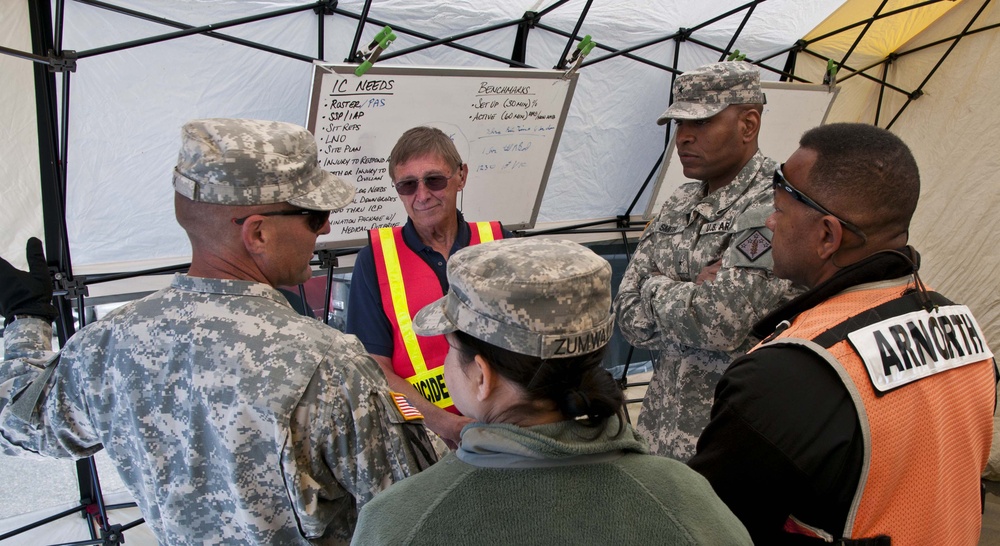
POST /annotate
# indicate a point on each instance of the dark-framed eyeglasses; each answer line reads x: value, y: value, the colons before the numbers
x: 781, y: 182
x: 315, y: 219
x: 433, y: 182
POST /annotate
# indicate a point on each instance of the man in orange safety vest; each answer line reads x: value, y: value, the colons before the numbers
x: 404, y: 268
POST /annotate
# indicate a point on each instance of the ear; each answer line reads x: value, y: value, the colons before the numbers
x: 254, y: 235
x: 832, y: 236
x: 464, y: 177
x: 484, y: 378
x: 750, y: 125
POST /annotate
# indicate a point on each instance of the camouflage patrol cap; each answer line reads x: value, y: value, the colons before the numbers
x: 253, y: 162
x: 538, y: 297
x: 704, y: 92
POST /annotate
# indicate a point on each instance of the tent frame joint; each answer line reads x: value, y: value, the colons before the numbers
x: 327, y: 259
x: 530, y: 18
x: 62, y: 63
x: 326, y: 7
x: 113, y: 535
x: 70, y: 288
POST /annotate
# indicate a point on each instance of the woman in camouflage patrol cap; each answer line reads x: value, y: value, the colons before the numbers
x: 528, y: 321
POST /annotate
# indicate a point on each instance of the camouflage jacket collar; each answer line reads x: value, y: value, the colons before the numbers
x: 228, y: 287
x: 720, y: 200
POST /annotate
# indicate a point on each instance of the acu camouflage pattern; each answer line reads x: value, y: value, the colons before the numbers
x: 232, y: 419
x: 708, y: 90
x: 698, y: 329
x: 252, y: 162
x: 538, y: 297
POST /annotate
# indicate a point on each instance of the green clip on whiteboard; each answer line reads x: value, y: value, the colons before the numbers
x: 505, y: 123
x: 791, y: 109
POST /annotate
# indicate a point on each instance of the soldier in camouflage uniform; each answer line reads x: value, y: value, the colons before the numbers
x: 231, y: 418
x: 701, y: 275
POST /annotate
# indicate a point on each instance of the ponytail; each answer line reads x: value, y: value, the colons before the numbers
x: 579, y: 385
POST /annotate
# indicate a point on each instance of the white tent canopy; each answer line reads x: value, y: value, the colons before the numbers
x: 122, y: 107
x: 126, y: 107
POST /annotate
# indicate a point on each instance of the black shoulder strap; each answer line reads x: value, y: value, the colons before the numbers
x: 909, y: 302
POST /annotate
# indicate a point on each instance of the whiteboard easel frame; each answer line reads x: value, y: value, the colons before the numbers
x: 790, y: 126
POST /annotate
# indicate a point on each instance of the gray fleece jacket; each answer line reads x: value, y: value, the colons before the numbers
x: 561, y: 483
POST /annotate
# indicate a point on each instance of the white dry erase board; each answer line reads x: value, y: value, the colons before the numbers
x: 791, y: 109
x: 505, y: 123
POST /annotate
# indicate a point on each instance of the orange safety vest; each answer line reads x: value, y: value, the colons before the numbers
x: 926, y: 432
x: 407, y: 284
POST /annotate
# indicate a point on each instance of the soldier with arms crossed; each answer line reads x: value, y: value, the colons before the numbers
x: 701, y: 274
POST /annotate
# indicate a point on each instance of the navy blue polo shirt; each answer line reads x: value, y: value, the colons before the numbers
x: 365, y: 317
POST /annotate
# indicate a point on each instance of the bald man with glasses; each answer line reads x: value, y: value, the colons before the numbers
x: 866, y: 414
x: 404, y: 269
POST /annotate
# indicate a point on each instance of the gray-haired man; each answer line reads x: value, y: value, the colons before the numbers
x: 231, y: 418
x: 701, y: 275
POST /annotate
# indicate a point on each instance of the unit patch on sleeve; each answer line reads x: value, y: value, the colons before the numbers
x: 754, y: 246
x: 910, y: 347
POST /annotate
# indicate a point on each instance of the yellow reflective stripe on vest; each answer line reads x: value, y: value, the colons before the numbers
x: 430, y: 384
x: 485, y: 232
x: 399, y: 305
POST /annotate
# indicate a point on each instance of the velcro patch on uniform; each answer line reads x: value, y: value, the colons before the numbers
x: 721, y: 226
x: 409, y: 412
x: 754, y: 246
x: 910, y: 347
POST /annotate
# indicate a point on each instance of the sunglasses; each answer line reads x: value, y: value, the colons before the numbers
x: 433, y: 182
x: 315, y: 219
x: 781, y: 182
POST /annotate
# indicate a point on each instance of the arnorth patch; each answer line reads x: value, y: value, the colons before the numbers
x: 754, y: 246
x: 910, y: 347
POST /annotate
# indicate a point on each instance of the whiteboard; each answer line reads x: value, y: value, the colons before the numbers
x: 791, y: 109
x: 505, y: 123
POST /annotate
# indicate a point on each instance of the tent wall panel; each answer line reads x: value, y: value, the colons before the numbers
x: 21, y: 205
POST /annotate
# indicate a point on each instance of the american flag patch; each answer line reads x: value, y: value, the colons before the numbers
x: 403, y: 405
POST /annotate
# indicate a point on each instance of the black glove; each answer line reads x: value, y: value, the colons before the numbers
x: 27, y: 292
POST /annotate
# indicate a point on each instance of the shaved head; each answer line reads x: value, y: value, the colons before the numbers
x: 210, y: 226
x: 864, y: 173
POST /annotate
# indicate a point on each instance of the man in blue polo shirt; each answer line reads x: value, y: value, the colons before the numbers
x: 404, y: 268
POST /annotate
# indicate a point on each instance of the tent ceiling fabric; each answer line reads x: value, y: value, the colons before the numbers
x: 885, y: 35
x: 126, y: 107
